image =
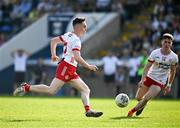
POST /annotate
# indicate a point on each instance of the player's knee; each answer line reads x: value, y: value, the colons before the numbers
x: 138, y: 98
x: 51, y: 92
x: 87, y: 90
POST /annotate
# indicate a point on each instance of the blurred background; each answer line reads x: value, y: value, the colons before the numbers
x: 119, y: 38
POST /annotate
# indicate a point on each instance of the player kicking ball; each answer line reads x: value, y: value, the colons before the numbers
x: 66, y: 69
x: 158, y: 74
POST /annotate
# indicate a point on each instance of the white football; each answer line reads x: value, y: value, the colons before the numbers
x: 122, y: 100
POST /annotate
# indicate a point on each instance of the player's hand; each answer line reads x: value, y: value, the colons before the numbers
x: 93, y: 67
x: 54, y: 58
x: 166, y: 90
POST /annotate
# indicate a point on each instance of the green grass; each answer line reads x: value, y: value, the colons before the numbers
x: 43, y: 112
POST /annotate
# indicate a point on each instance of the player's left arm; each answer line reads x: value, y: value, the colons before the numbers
x: 82, y: 62
x: 172, y: 73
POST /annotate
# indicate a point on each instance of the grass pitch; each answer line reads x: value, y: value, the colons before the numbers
x: 43, y: 112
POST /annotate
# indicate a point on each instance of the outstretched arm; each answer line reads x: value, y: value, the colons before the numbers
x: 82, y: 62
x: 53, y: 45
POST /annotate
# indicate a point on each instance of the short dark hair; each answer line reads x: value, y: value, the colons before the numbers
x: 78, y: 20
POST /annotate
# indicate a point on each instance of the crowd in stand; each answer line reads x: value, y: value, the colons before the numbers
x: 16, y: 14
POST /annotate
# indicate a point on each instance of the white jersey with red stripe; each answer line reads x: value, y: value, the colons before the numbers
x: 71, y: 43
x: 161, y: 65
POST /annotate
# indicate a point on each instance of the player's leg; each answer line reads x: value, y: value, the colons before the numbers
x: 55, y: 85
x: 141, y: 91
x: 81, y: 86
x: 151, y: 93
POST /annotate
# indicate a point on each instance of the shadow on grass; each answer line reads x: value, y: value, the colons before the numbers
x: 18, y: 120
x: 125, y: 117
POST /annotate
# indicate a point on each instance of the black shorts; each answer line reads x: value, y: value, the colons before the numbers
x: 19, y: 77
x: 109, y: 78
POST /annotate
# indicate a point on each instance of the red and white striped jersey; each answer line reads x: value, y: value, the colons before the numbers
x: 71, y: 43
x: 159, y: 71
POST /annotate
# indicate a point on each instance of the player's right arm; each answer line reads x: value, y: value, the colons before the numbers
x: 146, y: 69
x: 150, y: 62
x: 53, y: 45
x: 82, y: 62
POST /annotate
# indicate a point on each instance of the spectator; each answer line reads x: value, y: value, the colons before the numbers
x: 159, y: 8
x: 117, y: 6
x: 136, y: 41
x: 120, y: 79
x: 133, y: 67
x: 103, y: 5
x: 143, y: 61
x: 110, y: 63
x: 44, y: 6
x: 20, y: 57
x: 177, y: 35
x: 25, y: 7
x: 6, y: 24
x: 16, y: 15
x: 33, y: 15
